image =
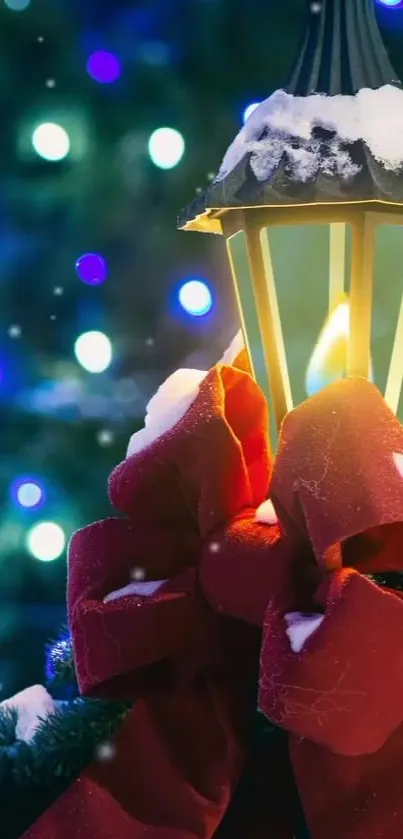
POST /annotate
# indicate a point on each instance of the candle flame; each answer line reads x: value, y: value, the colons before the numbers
x: 328, y: 362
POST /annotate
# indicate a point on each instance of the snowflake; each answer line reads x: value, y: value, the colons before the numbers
x: 105, y: 751
x: 15, y: 331
x: 105, y: 437
x: 214, y: 547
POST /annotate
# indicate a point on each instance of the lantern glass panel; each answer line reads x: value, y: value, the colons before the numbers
x: 311, y: 268
x: 238, y: 256
x: 387, y: 315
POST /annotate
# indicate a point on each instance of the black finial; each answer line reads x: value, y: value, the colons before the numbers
x: 342, y: 51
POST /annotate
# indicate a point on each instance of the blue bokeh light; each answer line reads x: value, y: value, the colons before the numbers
x: 104, y: 67
x: 28, y: 493
x: 91, y: 268
x: 195, y: 298
x: 249, y: 110
x: 391, y: 3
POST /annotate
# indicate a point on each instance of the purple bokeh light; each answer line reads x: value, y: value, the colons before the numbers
x: 104, y: 67
x: 92, y: 268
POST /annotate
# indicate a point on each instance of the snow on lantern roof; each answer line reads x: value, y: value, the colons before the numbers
x: 335, y: 134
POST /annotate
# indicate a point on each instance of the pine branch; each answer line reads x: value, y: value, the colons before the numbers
x: 33, y: 775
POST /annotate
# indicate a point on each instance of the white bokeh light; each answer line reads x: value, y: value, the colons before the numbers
x: 93, y: 350
x: 166, y: 147
x: 46, y: 541
x: 51, y: 141
x: 195, y: 298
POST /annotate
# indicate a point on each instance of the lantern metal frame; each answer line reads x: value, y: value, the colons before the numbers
x: 341, y: 54
x: 363, y: 219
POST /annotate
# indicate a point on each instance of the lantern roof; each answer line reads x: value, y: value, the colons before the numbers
x: 333, y: 134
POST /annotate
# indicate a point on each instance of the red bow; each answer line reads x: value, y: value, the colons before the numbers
x: 189, y: 499
x: 190, y: 502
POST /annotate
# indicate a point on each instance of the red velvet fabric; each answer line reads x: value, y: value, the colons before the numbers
x: 189, y: 653
x: 191, y: 672
x: 335, y: 475
x: 341, y: 698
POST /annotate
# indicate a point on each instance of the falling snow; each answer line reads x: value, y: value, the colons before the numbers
x: 105, y: 752
x: 214, y: 547
x: 105, y: 437
x: 14, y: 331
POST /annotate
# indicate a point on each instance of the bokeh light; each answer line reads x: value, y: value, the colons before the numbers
x: 104, y: 67
x: 17, y: 5
x: 249, y: 110
x: 28, y: 493
x: 166, y: 147
x: 46, y: 541
x: 92, y: 268
x: 51, y: 141
x: 390, y: 3
x: 93, y: 350
x: 195, y: 298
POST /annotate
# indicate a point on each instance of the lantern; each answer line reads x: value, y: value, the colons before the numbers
x: 309, y: 198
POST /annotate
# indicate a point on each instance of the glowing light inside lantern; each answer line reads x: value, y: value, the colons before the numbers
x: 328, y: 362
x: 329, y: 358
